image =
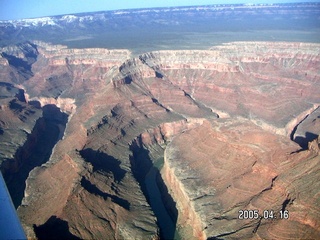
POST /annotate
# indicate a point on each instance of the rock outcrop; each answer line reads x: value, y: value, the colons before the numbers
x: 215, y: 172
x: 215, y: 123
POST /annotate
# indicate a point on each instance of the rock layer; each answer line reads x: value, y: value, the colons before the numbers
x: 233, y: 166
x: 127, y: 113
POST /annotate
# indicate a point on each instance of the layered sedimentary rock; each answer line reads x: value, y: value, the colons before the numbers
x: 218, y: 170
x: 246, y: 77
x: 219, y: 122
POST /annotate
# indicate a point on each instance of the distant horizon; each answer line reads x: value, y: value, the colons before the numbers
x: 20, y: 9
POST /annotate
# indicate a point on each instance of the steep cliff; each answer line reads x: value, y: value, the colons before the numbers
x: 216, y: 172
x: 216, y: 123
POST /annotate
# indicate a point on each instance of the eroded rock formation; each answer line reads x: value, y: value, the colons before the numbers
x: 216, y: 124
x: 241, y: 167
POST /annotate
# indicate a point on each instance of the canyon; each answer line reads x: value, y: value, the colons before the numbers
x: 107, y: 144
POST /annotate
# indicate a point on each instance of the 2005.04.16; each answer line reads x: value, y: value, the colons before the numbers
x: 267, y: 214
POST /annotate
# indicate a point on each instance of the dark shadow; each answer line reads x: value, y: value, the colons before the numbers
x: 167, y: 200
x: 7, y: 85
x: 103, y: 162
x: 52, y: 113
x: 23, y: 66
x: 159, y: 104
x: 21, y: 70
x: 16, y: 106
x: 159, y: 75
x: 17, y: 62
x: 127, y: 80
x: 155, y: 191
x: 303, y: 141
x: 93, y: 189
x: 140, y: 163
x: 285, y: 204
x: 20, y: 95
x: 36, y: 150
x: 54, y: 228
x: 36, y: 104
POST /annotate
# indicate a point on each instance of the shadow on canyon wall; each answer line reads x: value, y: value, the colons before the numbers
x: 18, y: 63
x: 93, y: 189
x: 155, y: 190
x: 36, y: 150
x: 54, y: 228
x: 104, y: 163
x: 303, y: 141
x: 22, y: 65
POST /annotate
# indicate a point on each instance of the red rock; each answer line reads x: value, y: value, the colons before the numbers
x: 119, y: 105
x: 215, y: 171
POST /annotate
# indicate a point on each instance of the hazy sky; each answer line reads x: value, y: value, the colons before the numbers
x: 16, y: 9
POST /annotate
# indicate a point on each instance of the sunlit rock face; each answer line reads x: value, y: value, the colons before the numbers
x: 215, y: 127
x: 218, y: 170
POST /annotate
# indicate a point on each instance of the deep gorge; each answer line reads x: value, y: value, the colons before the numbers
x: 107, y: 175
x: 147, y: 173
x: 37, y: 149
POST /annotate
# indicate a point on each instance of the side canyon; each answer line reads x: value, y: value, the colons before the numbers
x: 105, y: 144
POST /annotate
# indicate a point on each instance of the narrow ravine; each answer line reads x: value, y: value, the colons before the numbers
x: 165, y: 222
x: 47, y: 131
x: 147, y: 174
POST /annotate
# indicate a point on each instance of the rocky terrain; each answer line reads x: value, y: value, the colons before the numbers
x: 166, y: 144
